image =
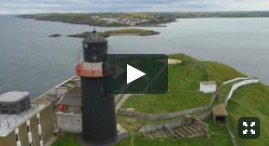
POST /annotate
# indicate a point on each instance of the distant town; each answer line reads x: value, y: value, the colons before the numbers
x: 138, y: 20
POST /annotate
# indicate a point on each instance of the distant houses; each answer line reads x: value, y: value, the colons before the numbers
x: 131, y: 22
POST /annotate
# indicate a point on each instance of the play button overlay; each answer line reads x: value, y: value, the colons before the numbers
x: 136, y: 74
x: 133, y: 74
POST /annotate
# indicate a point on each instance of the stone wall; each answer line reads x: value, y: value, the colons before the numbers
x: 204, y: 116
x: 232, y: 136
x: 154, y: 127
x: 69, y: 122
x: 147, y: 116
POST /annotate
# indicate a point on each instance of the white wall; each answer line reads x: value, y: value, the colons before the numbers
x: 208, y: 88
x: 240, y: 84
x: 69, y: 122
x: 235, y: 79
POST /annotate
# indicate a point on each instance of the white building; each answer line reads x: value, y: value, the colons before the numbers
x: 208, y: 86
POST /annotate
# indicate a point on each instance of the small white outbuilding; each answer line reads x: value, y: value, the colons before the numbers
x: 208, y: 86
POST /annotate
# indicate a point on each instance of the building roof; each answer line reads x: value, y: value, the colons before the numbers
x: 209, y: 82
x: 13, y: 96
x: 94, y: 37
x: 220, y: 110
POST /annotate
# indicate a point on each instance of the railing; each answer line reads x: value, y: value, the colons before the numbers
x: 9, y: 121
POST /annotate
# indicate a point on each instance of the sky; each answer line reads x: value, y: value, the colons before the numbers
x: 77, y: 6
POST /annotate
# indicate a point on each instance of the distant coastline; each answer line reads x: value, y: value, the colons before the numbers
x: 107, y: 19
x: 157, y: 19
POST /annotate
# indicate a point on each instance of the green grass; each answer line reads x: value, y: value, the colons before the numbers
x: 169, y: 102
x: 66, y: 139
x: 139, y: 32
x: 130, y: 31
x: 221, y: 72
x: 183, y: 57
x: 248, y: 101
x: 185, y: 77
x: 251, y: 101
x: 183, y: 94
x: 223, y: 93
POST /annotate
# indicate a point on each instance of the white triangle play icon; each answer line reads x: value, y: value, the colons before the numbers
x: 133, y: 74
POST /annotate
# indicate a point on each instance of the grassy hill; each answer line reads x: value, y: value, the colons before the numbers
x: 251, y: 101
x: 183, y: 86
x: 183, y: 90
x: 247, y: 101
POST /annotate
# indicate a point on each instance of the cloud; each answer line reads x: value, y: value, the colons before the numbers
x: 44, y: 6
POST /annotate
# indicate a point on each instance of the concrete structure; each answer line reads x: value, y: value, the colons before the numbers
x: 70, y: 104
x: 69, y: 112
x: 69, y: 118
x: 35, y: 126
x: 220, y: 113
x: 32, y: 127
x: 208, y: 86
x: 14, y: 102
x: 69, y: 122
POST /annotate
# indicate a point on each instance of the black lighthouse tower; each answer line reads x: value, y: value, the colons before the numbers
x: 98, y: 108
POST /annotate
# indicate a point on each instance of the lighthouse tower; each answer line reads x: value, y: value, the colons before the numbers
x: 98, y: 108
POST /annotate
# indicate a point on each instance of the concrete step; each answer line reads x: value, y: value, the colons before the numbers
x: 187, y: 131
x: 196, y: 127
x: 190, y: 127
x: 164, y: 134
x: 169, y: 131
x: 179, y: 134
x: 183, y: 132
